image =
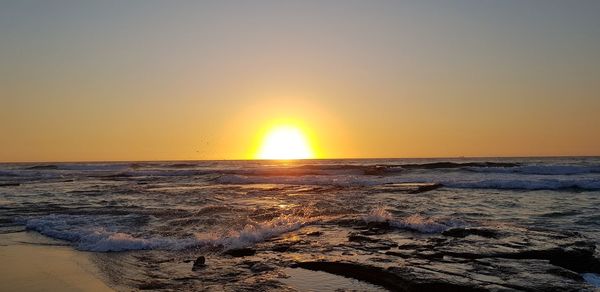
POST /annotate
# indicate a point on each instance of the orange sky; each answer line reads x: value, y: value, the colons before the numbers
x: 159, y: 81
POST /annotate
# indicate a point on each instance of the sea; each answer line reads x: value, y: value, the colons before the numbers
x: 147, y: 223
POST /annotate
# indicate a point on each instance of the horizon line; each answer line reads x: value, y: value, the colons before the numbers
x: 307, y: 159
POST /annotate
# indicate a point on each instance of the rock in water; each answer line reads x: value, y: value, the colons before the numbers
x: 240, y: 252
x: 199, y: 263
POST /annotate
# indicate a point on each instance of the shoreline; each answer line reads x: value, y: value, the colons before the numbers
x: 32, y: 262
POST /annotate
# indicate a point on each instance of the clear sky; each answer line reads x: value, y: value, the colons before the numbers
x: 160, y: 80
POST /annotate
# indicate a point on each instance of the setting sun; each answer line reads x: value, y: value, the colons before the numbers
x: 285, y: 142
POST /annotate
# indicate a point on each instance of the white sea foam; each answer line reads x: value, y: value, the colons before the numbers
x: 85, y: 236
x: 256, y: 232
x: 100, y: 240
x: 379, y: 214
x: 413, y: 222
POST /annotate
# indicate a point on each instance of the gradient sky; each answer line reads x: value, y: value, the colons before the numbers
x: 160, y: 80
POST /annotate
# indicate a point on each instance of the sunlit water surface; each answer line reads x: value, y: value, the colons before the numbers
x: 157, y: 210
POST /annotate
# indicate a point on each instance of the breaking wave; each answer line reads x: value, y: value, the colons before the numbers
x: 85, y: 234
x: 481, y: 182
x: 347, y: 180
x: 541, y: 169
x: 528, y: 184
x: 413, y: 222
x: 256, y: 232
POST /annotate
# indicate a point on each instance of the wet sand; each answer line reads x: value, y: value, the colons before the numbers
x: 31, y: 262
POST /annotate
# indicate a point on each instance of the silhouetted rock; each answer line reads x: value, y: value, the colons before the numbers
x: 199, y: 263
x: 314, y: 233
x: 9, y: 184
x: 43, y: 167
x: 425, y: 188
x: 360, y: 238
x: 383, y: 277
x: 284, y: 247
x: 261, y: 267
x: 240, y: 252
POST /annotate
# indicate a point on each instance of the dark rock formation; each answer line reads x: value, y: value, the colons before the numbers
x: 409, y: 188
x: 505, y: 258
x: 425, y: 188
x: 44, y: 167
x: 360, y: 238
x: 314, y: 233
x: 383, y: 277
x: 261, y: 267
x: 284, y: 247
x: 199, y: 263
x: 240, y: 252
x: 9, y: 184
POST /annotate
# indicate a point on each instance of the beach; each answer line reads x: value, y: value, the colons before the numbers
x: 31, y: 262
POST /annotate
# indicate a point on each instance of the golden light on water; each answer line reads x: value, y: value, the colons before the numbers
x: 285, y: 142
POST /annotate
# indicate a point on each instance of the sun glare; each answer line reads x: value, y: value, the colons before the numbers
x: 285, y: 142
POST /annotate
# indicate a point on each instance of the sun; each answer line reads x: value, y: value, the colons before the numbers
x: 285, y: 142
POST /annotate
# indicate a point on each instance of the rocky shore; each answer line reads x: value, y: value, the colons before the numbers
x: 483, y: 258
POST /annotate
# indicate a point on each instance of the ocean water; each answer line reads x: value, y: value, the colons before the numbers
x: 142, y: 213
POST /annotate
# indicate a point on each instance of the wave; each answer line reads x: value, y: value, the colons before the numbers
x: 155, y: 173
x: 79, y: 167
x: 384, y: 184
x: 43, y: 167
x: 92, y: 233
x: 77, y: 230
x: 257, y: 231
x: 448, y: 164
x: 528, y: 184
x: 541, y: 169
x: 347, y: 180
x: 7, y: 173
x: 413, y: 222
x: 364, y: 169
x: 378, y: 214
x: 314, y: 169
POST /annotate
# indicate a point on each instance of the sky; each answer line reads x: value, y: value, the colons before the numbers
x: 169, y: 80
